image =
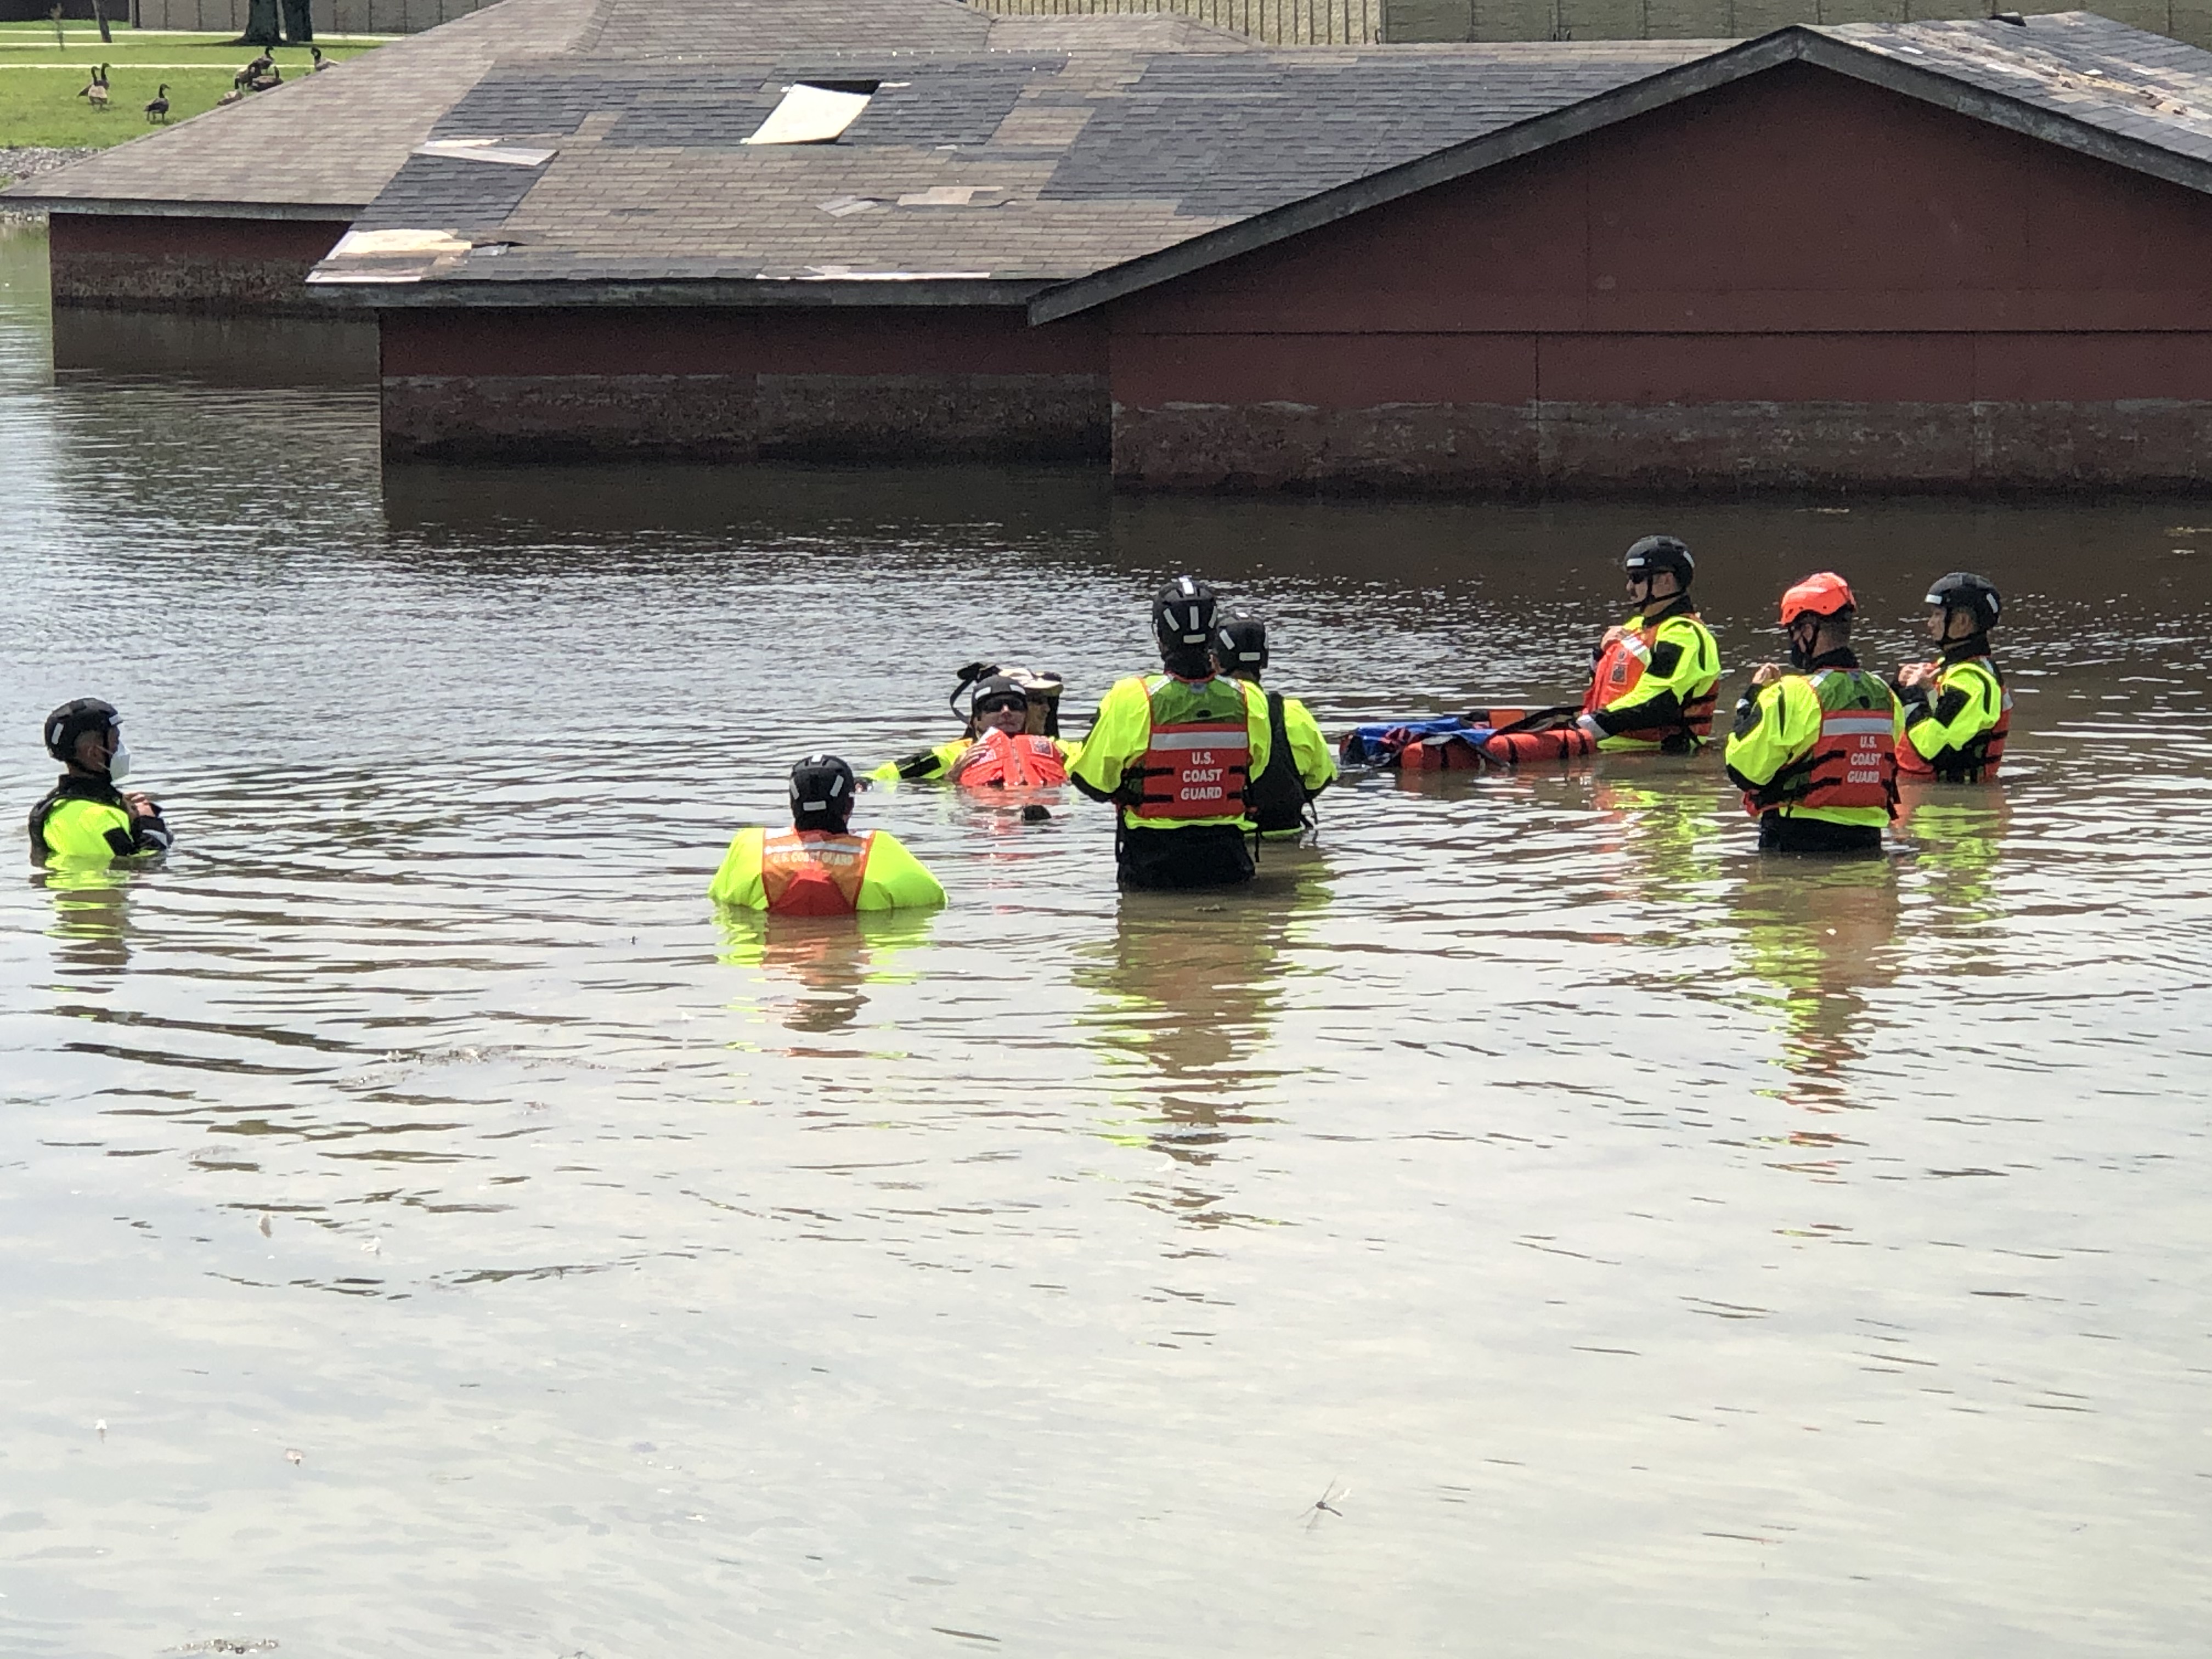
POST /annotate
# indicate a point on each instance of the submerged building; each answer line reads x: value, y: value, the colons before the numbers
x: 1951, y: 256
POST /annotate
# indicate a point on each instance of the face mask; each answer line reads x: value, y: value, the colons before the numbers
x: 118, y: 763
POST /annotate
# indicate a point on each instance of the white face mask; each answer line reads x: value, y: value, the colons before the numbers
x: 118, y: 763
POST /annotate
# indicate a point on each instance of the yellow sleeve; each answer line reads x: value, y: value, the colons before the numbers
x: 1700, y: 664
x: 1316, y: 763
x: 928, y: 765
x: 1117, y: 736
x: 76, y: 831
x: 1976, y: 700
x: 1781, y: 724
x: 895, y: 879
x: 738, y: 883
x: 1697, y: 664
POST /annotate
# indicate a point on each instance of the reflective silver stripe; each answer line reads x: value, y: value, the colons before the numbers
x: 1856, y: 724
x: 1228, y: 737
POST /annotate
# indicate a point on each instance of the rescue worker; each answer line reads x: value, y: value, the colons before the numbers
x: 1957, y: 711
x: 1299, y: 763
x: 1814, y: 748
x: 818, y: 867
x: 1176, y: 753
x: 85, y: 820
x: 1654, y: 679
x: 1011, y: 742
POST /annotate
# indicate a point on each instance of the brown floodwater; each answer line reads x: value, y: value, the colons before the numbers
x: 431, y: 1232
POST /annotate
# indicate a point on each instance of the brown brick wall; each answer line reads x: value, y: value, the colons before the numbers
x: 746, y: 417
x: 893, y: 383
x: 178, y: 263
x: 1602, y: 448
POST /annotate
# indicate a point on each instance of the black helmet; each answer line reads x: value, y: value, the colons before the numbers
x: 1657, y: 553
x: 1240, y: 644
x: 999, y: 689
x: 72, y: 720
x: 1963, y: 591
x: 821, y: 793
x: 1182, y: 616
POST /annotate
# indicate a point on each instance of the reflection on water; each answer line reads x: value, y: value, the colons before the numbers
x: 91, y: 924
x: 1821, y: 934
x: 832, y: 960
x: 470, y: 1243
x: 1188, y: 994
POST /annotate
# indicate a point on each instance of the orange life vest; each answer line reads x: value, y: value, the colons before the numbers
x: 1981, y: 754
x: 1194, y: 768
x: 997, y: 761
x: 812, y: 873
x: 1620, y: 668
x: 1853, y: 761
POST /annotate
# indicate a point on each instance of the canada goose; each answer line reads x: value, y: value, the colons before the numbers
x: 254, y: 71
x: 157, y: 113
x: 274, y: 77
x: 320, y: 64
x: 96, y: 92
x: 231, y: 97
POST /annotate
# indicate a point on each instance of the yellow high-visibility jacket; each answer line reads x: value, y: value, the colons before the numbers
x: 1122, y: 735
x: 890, y: 877
x: 1778, y: 725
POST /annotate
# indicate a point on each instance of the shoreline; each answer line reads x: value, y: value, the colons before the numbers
x: 27, y: 161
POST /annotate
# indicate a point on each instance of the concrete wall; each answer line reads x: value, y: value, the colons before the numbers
x: 329, y: 16
x: 156, y: 264
x: 1729, y: 20
x: 1799, y: 280
x: 860, y: 385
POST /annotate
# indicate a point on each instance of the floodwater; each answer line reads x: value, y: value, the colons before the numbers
x: 1640, y: 1247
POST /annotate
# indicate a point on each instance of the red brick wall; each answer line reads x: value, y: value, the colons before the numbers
x: 1798, y: 238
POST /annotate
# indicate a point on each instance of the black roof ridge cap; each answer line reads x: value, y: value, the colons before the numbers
x: 1459, y: 161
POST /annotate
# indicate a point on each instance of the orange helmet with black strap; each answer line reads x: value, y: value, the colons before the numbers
x: 1824, y: 593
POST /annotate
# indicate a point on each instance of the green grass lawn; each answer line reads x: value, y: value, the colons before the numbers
x: 39, y: 82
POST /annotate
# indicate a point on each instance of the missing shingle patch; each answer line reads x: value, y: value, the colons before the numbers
x: 955, y: 196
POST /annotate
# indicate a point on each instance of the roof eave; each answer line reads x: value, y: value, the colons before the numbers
x: 1798, y: 43
x: 755, y: 294
x: 141, y: 208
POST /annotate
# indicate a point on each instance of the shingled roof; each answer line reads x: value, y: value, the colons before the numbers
x: 322, y: 147
x: 1064, y: 180
x: 1013, y: 171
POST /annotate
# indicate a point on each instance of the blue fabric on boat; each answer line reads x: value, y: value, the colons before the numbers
x: 1377, y: 743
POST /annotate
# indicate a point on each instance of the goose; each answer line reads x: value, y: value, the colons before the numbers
x: 320, y: 64
x: 231, y: 97
x: 96, y: 92
x: 254, y: 71
x: 157, y: 113
x: 274, y: 77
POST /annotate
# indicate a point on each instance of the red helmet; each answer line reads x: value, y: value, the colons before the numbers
x: 1821, y: 594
